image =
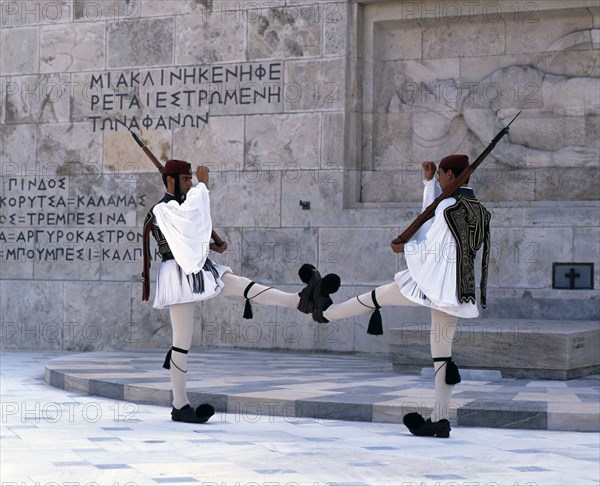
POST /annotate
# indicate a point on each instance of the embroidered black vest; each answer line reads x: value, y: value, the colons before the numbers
x: 469, y: 223
x: 163, y: 246
x: 161, y: 241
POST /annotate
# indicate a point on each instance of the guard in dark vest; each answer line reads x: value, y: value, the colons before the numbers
x: 440, y: 275
x: 182, y: 227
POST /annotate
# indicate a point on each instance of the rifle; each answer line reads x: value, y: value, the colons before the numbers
x: 216, y: 238
x: 146, y: 150
x: 450, y: 189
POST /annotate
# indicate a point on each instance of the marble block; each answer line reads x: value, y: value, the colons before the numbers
x: 538, y: 349
x: 34, y: 99
x: 285, y: 32
x: 19, y: 51
x: 71, y: 47
x: 206, y: 39
x: 145, y: 42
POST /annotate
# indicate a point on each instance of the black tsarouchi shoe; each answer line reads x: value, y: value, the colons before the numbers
x: 418, y: 426
x: 189, y: 415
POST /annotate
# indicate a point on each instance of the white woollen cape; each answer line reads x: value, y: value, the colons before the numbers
x: 187, y: 227
x: 431, y: 260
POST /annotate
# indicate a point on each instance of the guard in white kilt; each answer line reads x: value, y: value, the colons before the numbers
x: 182, y: 227
x: 440, y: 275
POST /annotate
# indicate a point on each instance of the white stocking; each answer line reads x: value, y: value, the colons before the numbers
x: 443, y: 327
x: 386, y: 295
x: 182, y: 322
x: 236, y: 285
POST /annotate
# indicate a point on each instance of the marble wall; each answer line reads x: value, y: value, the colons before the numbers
x: 329, y: 102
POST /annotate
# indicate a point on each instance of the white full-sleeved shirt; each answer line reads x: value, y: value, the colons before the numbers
x: 187, y: 228
x: 431, y: 260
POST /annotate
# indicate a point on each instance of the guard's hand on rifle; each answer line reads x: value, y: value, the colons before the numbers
x: 218, y: 248
x: 397, y: 247
x: 202, y: 174
x: 429, y: 169
x: 397, y: 241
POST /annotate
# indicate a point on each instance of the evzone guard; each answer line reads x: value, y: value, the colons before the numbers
x: 440, y: 276
x: 182, y: 227
x: 440, y: 255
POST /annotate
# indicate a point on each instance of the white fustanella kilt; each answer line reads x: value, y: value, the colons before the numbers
x: 409, y: 288
x: 173, y: 286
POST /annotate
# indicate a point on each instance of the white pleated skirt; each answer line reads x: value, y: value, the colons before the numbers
x: 409, y: 288
x: 173, y: 286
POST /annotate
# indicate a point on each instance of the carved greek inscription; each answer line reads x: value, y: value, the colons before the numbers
x: 180, y: 97
x: 44, y: 220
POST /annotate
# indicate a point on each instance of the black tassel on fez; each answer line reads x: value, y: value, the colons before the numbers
x: 375, y: 326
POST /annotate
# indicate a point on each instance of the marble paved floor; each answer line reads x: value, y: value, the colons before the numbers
x: 359, y: 387
x: 50, y: 436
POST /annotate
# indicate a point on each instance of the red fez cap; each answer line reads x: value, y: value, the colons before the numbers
x: 174, y: 167
x: 454, y: 162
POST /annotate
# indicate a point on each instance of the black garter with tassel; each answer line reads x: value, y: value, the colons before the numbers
x: 167, y: 363
x: 452, y: 373
x: 248, y: 307
x: 375, y: 326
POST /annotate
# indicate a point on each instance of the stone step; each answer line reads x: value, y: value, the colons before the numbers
x: 326, y: 386
x: 519, y: 348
